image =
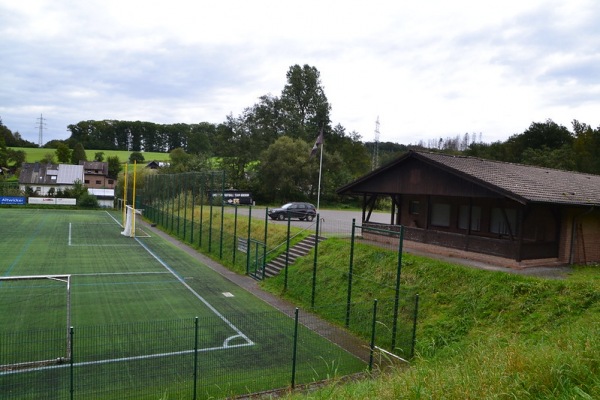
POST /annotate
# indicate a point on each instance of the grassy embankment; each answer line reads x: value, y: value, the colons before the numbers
x: 481, y: 334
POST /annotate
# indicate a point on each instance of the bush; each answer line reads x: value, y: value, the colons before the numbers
x: 87, y: 200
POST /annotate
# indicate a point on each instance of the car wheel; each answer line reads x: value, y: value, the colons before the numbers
x: 281, y: 217
x: 309, y: 218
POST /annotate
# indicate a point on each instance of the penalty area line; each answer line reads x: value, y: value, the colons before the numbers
x: 124, y: 359
x: 202, y: 299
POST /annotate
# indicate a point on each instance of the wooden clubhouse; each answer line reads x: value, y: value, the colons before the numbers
x: 519, y: 214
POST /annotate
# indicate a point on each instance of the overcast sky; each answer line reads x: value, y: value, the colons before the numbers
x: 426, y: 69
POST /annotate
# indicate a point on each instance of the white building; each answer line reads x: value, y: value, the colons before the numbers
x: 44, y: 177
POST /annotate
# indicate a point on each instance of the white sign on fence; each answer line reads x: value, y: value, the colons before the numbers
x: 52, y: 201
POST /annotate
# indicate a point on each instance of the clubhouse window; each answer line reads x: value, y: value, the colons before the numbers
x: 463, y: 218
x: 502, y: 225
x: 414, y: 207
x: 440, y: 214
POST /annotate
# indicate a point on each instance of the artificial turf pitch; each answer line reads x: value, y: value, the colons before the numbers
x: 148, y: 320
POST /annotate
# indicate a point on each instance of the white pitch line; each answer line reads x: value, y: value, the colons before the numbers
x: 102, y: 245
x: 184, y: 283
x: 114, y: 219
x: 122, y: 359
x: 122, y: 273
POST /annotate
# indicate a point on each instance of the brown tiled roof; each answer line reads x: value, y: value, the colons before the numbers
x: 532, y: 184
x: 91, y: 166
x: 523, y: 183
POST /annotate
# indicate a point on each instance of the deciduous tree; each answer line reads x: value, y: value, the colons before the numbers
x: 114, y: 166
x: 136, y: 156
x: 284, y: 172
x: 78, y: 154
x: 63, y: 153
x: 304, y: 104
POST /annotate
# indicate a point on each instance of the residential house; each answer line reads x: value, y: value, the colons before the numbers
x: 157, y: 164
x: 96, y: 175
x: 45, y: 178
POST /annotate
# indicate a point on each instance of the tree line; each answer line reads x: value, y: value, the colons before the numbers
x: 547, y: 144
x: 266, y: 149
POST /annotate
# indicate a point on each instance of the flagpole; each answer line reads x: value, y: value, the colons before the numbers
x: 320, y: 169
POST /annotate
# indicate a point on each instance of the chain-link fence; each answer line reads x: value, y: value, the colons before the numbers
x: 183, y: 359
x: 183, y: 204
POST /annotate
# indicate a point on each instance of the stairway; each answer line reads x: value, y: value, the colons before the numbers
x: 298, y: 250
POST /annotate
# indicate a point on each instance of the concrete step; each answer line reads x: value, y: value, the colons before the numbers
x: 300, y: 249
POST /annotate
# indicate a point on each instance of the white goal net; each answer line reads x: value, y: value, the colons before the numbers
x: 35, y: 331
x: 130, y: 216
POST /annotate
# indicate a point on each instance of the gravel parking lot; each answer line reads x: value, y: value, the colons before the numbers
x: 337, y: 222
x: 331, y: 221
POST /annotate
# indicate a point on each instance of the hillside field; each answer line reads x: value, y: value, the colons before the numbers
x: 36, y: 154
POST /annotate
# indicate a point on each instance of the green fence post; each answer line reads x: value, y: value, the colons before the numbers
x: 185, y: 189
x: 193, y: 208
x: 173, y: 189
x: 235, y: 220
x: 166, y: 203
x: 397, y: 299
x: 71, y: 364
x: 349, y: 300
x: 221, y: 234
x: 202, y: 193
x: 314, y: 275
x: 264, y: 261
x: 161, y: 214
x: 178, y: 191
x: 248, y: 241
x: 287, y: 252
x: 195, y: 357
x: 295, y: 348
x: 266, y: 237
x: 210, y: 217
x: 222, y: 215
x: 414, y: 332
x: 373, y: 325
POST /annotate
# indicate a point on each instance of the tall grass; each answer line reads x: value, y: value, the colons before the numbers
x: 481, y: 334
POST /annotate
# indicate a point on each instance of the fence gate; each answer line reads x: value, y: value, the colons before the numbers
x: 256, y: 253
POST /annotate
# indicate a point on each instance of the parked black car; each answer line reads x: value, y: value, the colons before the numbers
x: 302, y: 211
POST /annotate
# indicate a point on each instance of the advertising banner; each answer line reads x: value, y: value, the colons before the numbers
x: 52, y: 201
x: 66, y: 202
x: 12, y: 200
